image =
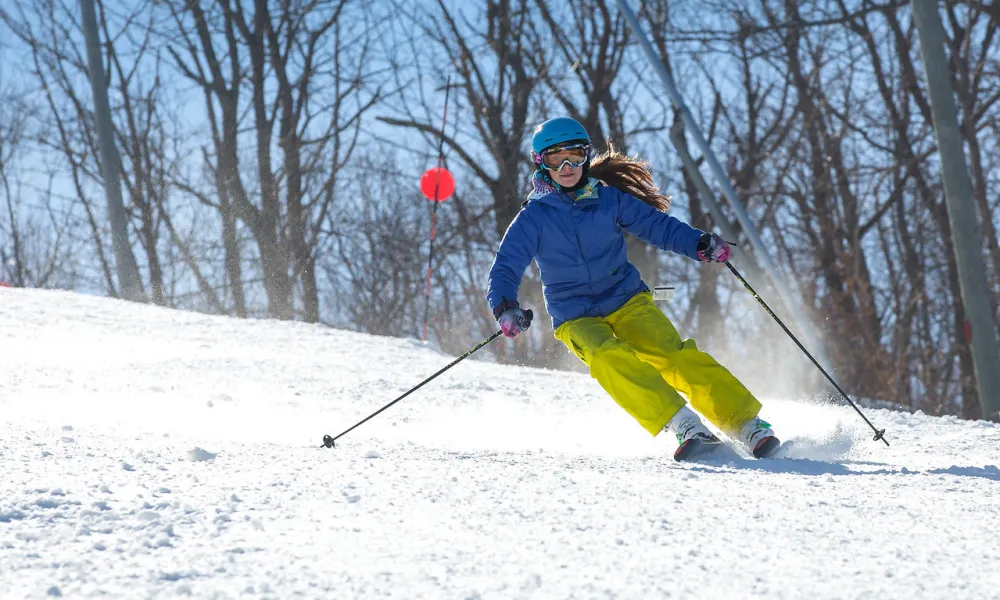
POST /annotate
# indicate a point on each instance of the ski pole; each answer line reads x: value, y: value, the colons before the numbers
x: 328, y: 442
x: 879, y: 433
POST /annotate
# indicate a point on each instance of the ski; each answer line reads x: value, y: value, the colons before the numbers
x: 696, y: 447
x: 696, y: 450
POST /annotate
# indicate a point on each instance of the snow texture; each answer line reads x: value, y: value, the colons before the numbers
x: 154, y: 453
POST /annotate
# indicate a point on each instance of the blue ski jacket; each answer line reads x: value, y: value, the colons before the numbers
x: 578, y: 243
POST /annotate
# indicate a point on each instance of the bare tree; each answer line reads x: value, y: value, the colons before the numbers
x: 374, y: 259
x: 36, y: 240
x: 52, y: 32
x: 309, y: 81
x: 14, y: 116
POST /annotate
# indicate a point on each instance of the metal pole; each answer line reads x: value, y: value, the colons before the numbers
x: 129, y: 282
x: 728, y: 231
x: 966, y: 239
x: 430, y: 262
x: 720, y: 174
x: 434, y: 210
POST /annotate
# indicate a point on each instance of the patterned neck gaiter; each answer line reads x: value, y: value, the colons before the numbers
x: 541, y: 184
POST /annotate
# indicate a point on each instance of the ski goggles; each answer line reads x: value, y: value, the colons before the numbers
x: 574, y: 155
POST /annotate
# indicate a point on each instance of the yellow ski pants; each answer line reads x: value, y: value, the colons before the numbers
x: 637, y: 356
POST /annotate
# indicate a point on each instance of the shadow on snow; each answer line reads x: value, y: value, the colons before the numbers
x: 807, y: 466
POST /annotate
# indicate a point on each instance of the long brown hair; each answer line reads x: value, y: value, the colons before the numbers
x: 629, y: 174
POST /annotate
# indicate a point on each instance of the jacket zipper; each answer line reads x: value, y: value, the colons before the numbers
x: 579, y: 244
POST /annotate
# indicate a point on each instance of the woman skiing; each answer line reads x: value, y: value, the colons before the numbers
x: 571, y: 225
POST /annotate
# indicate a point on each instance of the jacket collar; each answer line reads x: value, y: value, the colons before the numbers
x: 548, y: 194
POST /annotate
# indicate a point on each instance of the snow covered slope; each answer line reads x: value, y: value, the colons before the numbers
x: 152, y: 453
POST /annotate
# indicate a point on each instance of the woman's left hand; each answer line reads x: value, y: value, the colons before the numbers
x: 713, y: 248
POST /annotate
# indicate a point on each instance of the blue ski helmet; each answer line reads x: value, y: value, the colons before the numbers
x: 556, y: 131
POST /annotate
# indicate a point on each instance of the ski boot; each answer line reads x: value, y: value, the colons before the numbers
x: 757, y: 435
x: 693, y: 438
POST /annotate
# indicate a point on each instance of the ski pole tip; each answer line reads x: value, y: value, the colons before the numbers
x: 880, y: 435
x: 328, y: 442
